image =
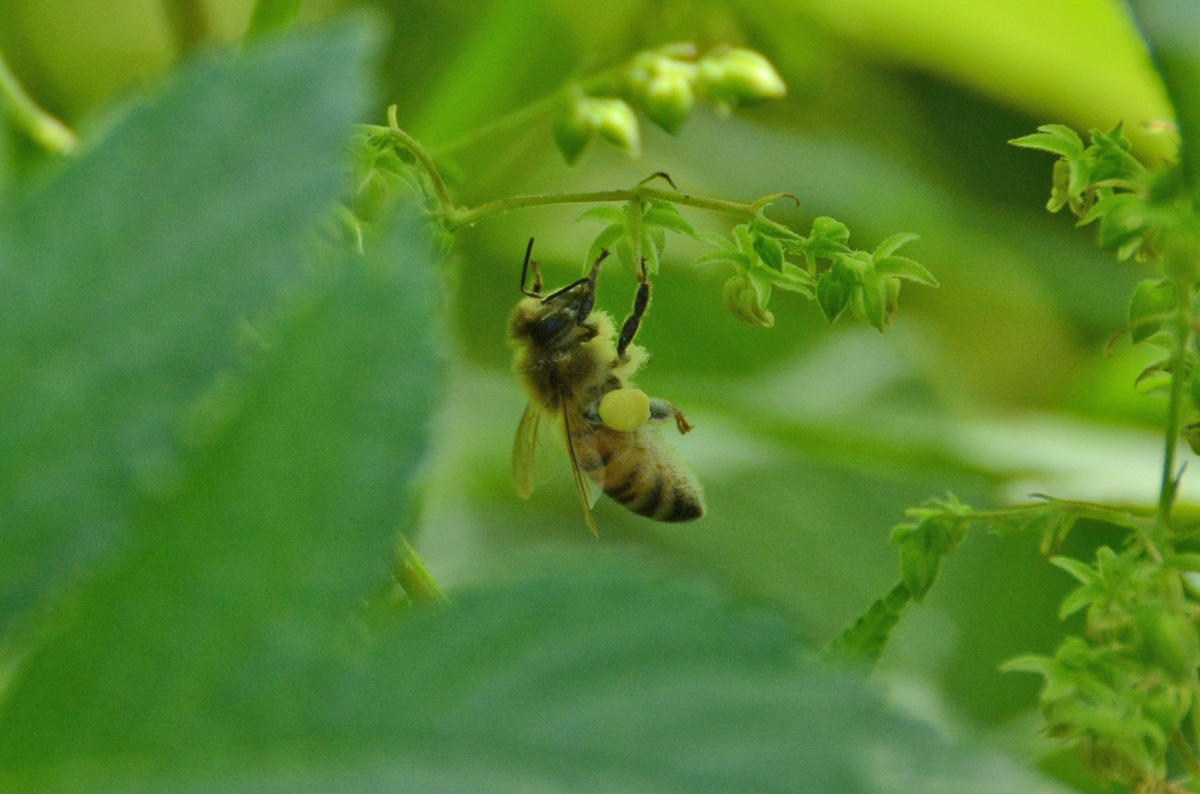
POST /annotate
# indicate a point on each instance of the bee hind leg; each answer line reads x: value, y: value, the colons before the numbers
x: 661, y: 411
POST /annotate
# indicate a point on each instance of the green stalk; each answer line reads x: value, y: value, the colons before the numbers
x: 1107, y: 515
x: 1183, y: 340
x: 608, y: 79
x: 468, y: 217
x: 635, y: 231
x: 514, y: 120
x: 271, y: 16
x: 47, y: 131
x: 414, y: 577
x: 445, y: 203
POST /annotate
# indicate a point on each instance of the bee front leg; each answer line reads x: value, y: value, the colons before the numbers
x: 661, y: 411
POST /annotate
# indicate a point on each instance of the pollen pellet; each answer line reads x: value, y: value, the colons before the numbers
x: 624, y: 409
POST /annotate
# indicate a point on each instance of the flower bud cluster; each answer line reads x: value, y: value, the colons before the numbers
x: 665, y: 85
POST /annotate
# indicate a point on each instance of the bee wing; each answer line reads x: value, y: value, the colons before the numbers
x: 524, y: 447
x: 581, y: 448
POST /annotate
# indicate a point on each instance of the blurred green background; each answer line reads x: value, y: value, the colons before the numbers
x: 811, y: 440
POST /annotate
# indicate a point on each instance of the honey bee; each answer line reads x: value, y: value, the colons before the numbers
x: 571, y: 369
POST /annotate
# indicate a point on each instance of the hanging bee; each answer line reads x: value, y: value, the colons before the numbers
x: 570, y: 368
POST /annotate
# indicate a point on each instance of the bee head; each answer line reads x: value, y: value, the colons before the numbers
x: 548, y: 321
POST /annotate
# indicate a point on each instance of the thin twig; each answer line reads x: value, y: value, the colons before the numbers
x: 47, y: 131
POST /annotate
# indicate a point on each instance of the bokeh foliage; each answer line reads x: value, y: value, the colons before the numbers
x: 811, y: 441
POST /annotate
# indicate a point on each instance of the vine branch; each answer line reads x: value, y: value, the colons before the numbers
x: 47, y: 131
x: 468, y: 217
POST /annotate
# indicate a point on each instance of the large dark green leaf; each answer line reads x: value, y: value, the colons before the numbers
x: 123, y: 277
x: 225, y: 625
x: 596, y: 676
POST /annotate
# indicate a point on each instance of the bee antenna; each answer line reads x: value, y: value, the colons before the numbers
x: 537, y: 276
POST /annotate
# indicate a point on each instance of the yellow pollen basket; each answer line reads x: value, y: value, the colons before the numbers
x: 625, y: 409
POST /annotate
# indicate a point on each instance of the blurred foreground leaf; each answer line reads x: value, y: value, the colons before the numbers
x: 601, y: 675
x: 123, y: 278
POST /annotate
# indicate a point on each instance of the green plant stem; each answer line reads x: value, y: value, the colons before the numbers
x: 456, y: 218
x: 1183, y: 340
x: 635, y: 231
x: 468, y: 217
x: 512, y: 121
x: 445, y: 203
x: 414, y: 577
x: 607, y: 79
x: 1108, y: 515
x: 188, y: 21
x: 47, y: 131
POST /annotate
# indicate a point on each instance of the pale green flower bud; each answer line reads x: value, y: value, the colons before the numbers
x: 663, y: 87
x: 574, y: 128
x: 668, y: 99
x: 737, y: 76
x: 617, y: 123
x: 743, y: 300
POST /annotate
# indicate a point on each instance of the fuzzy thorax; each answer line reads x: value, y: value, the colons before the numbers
x: 585, y: 369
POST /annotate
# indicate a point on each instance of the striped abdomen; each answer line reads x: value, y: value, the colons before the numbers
x: 646, y: 477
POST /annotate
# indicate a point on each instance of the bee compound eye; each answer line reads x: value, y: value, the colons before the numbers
x: 548, y: 328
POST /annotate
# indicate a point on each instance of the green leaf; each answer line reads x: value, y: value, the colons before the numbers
x: 604, y: 242
x: 1054, y: 138
x: 718, y: 241
x: 1123, y: 218
x: 743, y: 238
x: 124, y: 277
x: 604, y: 213
x: 1152, y: 302
x: 864, y: 640
x: 920, y: 566
x: 827, y: 241
x: 790, y: 278
x: 1041, y: 665
x: 228, y: 620
x: 762, y: 286
x: 889, y: 246
x: 769, y: 251
x: 1077, y: 599
x: 870, y: 300
x: 905, y: 268
x: 599, y: 675
x: 736, y: 258
x: 774, y: 231
x: 1060, y: 186
x: 653, y: 241
x: 834, y: 290
x: 829, y: 231
x: 666, y: 215
x: 1080, y: 570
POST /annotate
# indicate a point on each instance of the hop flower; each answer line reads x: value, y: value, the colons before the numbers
x: 737, y: 76
x: 743, y: 299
